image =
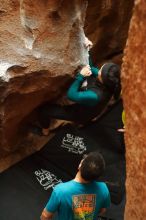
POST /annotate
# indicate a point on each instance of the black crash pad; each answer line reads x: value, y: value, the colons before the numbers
x: 26, y: 187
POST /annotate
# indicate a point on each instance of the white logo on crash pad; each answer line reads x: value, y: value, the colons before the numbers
x: 74, y: 144
x: 46, y: 179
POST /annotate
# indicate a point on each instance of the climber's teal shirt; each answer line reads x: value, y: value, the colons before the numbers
x: 88, y: 97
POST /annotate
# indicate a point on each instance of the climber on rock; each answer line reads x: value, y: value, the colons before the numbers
x: 91, y: 91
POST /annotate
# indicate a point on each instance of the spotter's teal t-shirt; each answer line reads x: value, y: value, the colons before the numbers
x: 77, y: 201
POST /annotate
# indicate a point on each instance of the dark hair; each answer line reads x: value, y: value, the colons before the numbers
x: 110, y: 74
x: 92, y: 166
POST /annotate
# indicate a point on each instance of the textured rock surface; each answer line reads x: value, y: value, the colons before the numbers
x: 41, y: 45
x: 107, y: 24
x: 134, y: 93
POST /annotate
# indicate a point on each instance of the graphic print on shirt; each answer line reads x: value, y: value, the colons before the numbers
x: 84, y: 206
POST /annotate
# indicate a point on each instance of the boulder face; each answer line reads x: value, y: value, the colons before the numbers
x: 41, y: 45
x: 106, y: 25
x: 134, y: 95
